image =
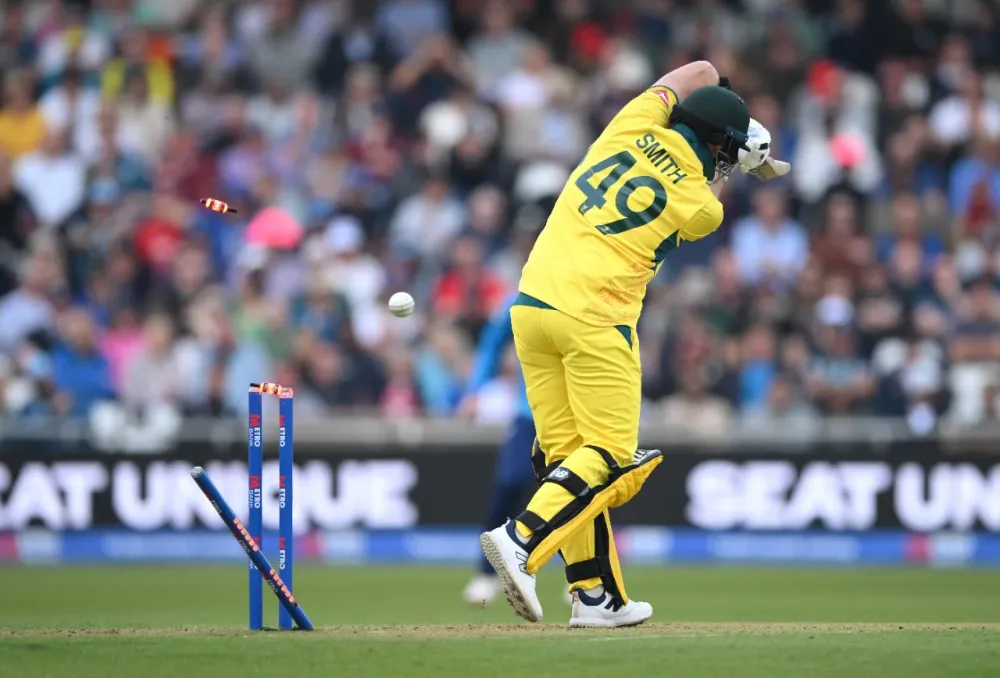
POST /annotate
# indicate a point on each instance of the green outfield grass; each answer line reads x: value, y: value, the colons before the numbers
x: 185, y: 622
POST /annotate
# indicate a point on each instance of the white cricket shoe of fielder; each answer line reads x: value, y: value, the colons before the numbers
x: 482, y: 589
x: 510, y: 560
x: 606, y: 611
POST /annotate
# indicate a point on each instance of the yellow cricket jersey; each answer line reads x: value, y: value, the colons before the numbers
x: 638, y: 193
x: 21, y: 133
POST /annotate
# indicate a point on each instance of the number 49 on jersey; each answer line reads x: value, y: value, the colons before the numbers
x: 619, y: 164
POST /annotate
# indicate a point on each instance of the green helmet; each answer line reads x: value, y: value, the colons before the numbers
x: 718, y: 116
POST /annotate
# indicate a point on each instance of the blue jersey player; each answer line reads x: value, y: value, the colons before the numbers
x: 513, y: 475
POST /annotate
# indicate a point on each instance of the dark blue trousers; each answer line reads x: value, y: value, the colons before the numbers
x: 513, y: 478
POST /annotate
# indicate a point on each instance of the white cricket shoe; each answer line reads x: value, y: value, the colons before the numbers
x: 606, y: 611
x: 510, y: 561
x: 482, y: 589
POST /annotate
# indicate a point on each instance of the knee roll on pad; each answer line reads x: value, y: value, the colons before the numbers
x: 623, y: 483
x: 631, y: 478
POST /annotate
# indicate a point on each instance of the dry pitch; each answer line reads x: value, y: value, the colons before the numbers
x: 514, y: 630
x: 408, y: 622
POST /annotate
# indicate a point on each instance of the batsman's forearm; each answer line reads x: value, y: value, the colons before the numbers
x: 689, y: 77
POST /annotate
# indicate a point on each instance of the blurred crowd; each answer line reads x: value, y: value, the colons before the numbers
x: 375, y: 146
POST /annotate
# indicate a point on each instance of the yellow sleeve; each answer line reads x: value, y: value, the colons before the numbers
x: 161, y: 83
x: 112, y: 80
x: 704, y: 221
x: 654, y: 105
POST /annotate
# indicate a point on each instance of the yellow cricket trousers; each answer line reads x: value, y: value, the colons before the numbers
x: 584, y: 386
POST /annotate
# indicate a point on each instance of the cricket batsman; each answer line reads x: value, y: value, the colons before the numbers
x: 650, y: 182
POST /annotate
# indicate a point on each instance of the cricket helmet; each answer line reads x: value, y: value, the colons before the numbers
x: 718, y: 116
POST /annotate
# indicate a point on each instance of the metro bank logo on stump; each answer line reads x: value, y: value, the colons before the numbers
x: 253, y: 437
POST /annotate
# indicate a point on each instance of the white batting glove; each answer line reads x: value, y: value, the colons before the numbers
x: 759, y: 143
x: 757, y: 162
